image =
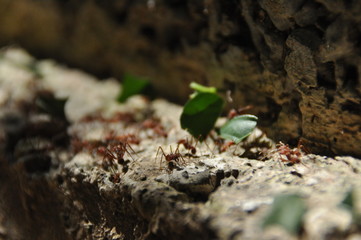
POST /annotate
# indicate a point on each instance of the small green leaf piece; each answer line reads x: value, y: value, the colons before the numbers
x: 202, y: 89
x: 132, y: 85
x: 200, y: 114
x: 238, y: 128
x: 287, y: 211
x: 348, y: 201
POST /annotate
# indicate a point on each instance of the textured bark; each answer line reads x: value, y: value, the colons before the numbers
x: 296, y: 62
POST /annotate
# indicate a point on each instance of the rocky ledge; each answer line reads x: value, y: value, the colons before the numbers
x: 105, y: 171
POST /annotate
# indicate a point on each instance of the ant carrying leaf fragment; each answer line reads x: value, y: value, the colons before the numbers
x: 201, y: 113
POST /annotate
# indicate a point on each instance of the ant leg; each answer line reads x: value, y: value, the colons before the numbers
x: 217, y: 143
x: 280, y: 163
x: 279, y: 160
x: 126, y: 150
x: 302, y: 148
x: 196, y: 140
x: 171, y: 151
x: 212, y: 151
x: 180, y: 155
x: 183, y: 161
x: 132, y: 150
x: 161, y: 158
x: 156, y: 156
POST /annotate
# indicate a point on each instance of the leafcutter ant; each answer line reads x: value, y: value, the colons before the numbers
x: 172, y: 159
x: 78, y: 145
x: 287, y: 154
x: 154, y: 123
x: 235, y: 112
x: 221, y: 144
x: 108, y: 157
x: 120, y: 149
x: 126, y: 138
x: 130, y: 138
x: 125, y: 117
x: 114, y: 153
x: 226, y: 145
x: 188, y: 145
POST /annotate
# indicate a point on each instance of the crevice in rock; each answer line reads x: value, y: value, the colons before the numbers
x: 351, y: 78
x: 271, y: 115
x: 149, y: 32
x: 326, y: 76
x: 351, y: 107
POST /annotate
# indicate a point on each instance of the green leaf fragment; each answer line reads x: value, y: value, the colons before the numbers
x: 200, y: 114
x: 202, y: 89
x: 287, y: 211
x: 238, y: 128
x: 348, y: 201
x: 350, y: 204
x: 132, y: 85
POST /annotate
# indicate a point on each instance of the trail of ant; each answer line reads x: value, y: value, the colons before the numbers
x: 124, y: 140
x: 124, y: 117
x: 112, y: 148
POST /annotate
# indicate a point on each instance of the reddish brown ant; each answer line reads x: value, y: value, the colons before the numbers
x: 154, y: 123
x: 91, y: 118
x: 120, y: 149
x: 108, y: 162
x: 78, y: 145
x: 114, y: 153
x: 235, y: 112
x: 221, y: 144
x: 226, y: 145
x: 125, y: 117
x: 172, y: 159
x: 129, y: 138
x: 287, y: 154
x: 188, y: 145
x: 126, y: 138
x: 108, y: 157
